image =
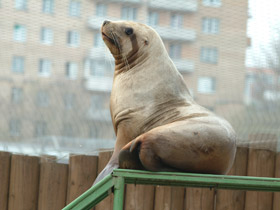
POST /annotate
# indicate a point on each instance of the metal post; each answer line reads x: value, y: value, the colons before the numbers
x: 118, y: 193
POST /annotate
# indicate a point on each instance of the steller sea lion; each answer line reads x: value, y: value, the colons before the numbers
x: 159, y: 127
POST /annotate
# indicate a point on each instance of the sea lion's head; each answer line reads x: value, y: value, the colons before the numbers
x: 129, y: 40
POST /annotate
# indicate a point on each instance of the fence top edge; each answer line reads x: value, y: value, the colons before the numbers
x: 129, y: 173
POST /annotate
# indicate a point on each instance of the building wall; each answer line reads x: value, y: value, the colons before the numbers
x: 230, y: 41
x: 59, y: 119
x: 231, y: 44
x: 85, y: 121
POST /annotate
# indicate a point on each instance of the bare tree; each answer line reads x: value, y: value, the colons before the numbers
x: 266, y: 86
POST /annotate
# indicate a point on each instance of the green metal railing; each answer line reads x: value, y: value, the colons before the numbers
x: 116, y: 181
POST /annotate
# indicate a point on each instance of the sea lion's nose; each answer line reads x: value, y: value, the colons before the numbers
x: 106, y: 22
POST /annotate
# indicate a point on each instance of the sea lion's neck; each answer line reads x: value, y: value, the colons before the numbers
x: 134, y: 57
x: 125, y: 63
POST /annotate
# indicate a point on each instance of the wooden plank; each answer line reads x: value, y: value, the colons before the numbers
x: 177, y: 198
x: 162, y: 198
x: 103, y: 159
x: 47, y: 158
x: 199, y: 199
x: 53, y: 186
x: 234, y: 199
x: 276, y: 198
x: 24, y: 182
x: 169, y: 198
x: 139, y: 197
x: 5, y: 160
x: 263, y: 141
x: 261, y: 163
x: 82, y: 173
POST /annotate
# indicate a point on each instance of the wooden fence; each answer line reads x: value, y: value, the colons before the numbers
x: 31, y: 183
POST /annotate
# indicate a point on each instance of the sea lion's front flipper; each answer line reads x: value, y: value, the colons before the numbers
x: 129, y: 158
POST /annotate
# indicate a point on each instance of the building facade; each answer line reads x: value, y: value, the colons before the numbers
x: 56, y: 73
x: 43, y: 48
x: 206, y: 39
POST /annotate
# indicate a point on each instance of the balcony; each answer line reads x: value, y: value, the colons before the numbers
x: 175, y: 34
x: 175, y: 5
x: 183, y: 65
x: 99, y: 115
x: 101, y: 53
x: 95, y: 22
x: 123, y: 1
x: 96, y: 83
x: 166, y: 32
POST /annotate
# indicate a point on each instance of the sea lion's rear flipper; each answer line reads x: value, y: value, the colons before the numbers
x: 107, y: 170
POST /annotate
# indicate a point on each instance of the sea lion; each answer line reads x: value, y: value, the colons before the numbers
x: 159, y: 127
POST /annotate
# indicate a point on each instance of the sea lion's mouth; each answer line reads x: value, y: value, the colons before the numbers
x: 104, y: 36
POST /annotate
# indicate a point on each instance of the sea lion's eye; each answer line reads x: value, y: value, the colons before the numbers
x: 128, y: 31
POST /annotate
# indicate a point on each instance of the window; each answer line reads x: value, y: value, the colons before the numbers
x: 175, y: 51
x: 46, y: 36
x: 101, y: 10
x: 212, y: 3
x: 48, y: 6
x: 15, y: 127
x: 42, y: 98
x: 153, y: 18
x: 129, y: 13
x: 98, y: 42
x: 18, y: 64
x: 21, y: 4
x: 44, y: 67
x: 210, y: 25
x: 97, y: 68
x: 209, y: 55
x: 19, y: 33
x: 16, y: 95
x: 73, y: 38
x: 71, y: 70
x: 176, y: 21
x: 69, y: 100
x: 206, y: 85
x: 75, y: 8
x: 268, y: 79
x: 40, y: 129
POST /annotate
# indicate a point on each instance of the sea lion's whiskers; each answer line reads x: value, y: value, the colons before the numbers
x: 126, y: 62
x: 115, y: 41
x: 109, y: 58
x: 118, y: 46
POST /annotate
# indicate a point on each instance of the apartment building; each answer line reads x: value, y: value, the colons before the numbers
x: 206, y: 39
x: 43, y: 47
x: 56, y: 73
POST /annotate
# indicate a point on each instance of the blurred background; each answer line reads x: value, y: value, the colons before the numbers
x: 56, y: 73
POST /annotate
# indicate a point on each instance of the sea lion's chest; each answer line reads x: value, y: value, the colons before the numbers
x: 141, y: 111
x: 147, y: 97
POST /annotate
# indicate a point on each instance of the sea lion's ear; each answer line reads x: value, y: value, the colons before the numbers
x: 146, y: 42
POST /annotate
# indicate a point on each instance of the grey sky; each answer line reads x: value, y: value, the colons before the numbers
x: 262, y: 28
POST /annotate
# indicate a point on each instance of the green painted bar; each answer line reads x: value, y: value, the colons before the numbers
x: 92, y: 196
x: 120, y: 177
x: 199, y: 180
x: 119, y: 193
